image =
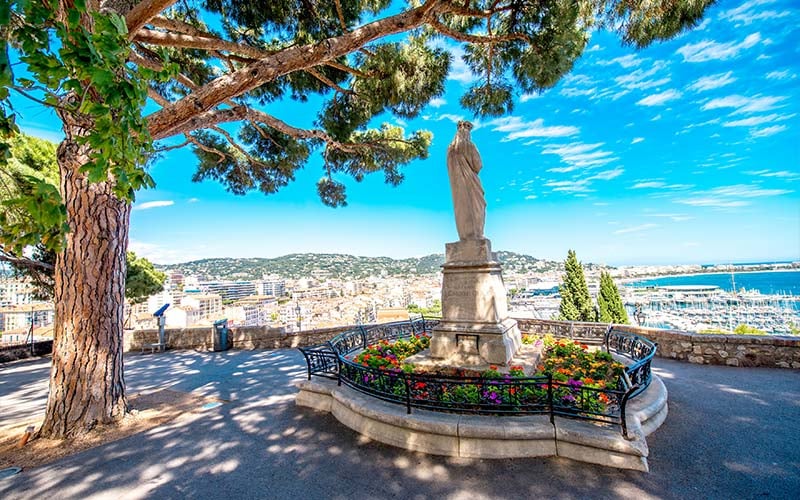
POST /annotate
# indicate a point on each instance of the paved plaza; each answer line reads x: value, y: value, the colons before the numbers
x: 731, y: 433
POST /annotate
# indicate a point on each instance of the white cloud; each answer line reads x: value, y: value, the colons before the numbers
x: 780, y: 174
x: 476, y: 124
x: 659, y: 99
x: 578, y: 156
x: 193, y: 200
x: 636, y: 229
x: 673, y: 217
x: 459, y: 71
x: 516, y: 128
x: 767, y: 131
x: 748, y: 191
x: 640, y: 79
x: 743, y: 104
x: 733, y: 196
x: 757, y: 120
x: 578, y: 92
x: 781, y: 75
x: 574, y: 186
x: 750, y: 11
x: 153, y: 204
x: 437, y: 102
x: 637, y: 140
x: 531, y: 197
x: 160, y: 254
x: 529, y: 97
x: 648, y: 185
x: 627, y: 61
x: 710, y: 51
x: 607, y: 175
x: 594, y: 48
x: 713, y: 202
x: 712, y: 82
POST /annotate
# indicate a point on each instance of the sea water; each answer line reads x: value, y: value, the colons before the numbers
x: 766, y: 282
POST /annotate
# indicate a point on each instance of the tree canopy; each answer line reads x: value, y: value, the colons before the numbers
x: 576, y: 303
x: 609, y: 302
x: 142, y: 279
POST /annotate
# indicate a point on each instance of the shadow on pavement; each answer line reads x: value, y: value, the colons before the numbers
x: 723, y: 438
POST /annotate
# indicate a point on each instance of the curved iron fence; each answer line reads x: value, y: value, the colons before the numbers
x: 638, y: 349
x: 501, y: 395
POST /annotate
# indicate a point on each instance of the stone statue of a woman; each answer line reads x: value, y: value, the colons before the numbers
x: 463, y: 165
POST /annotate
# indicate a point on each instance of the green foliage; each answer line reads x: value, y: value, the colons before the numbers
x: 142, y: 279
x: 31, y: 173
x: 576, y: 303
x: 434, y: 311
x: 84, y: 75
x: 609, y: 302
x: 742, y: 329
x: 31, y: 212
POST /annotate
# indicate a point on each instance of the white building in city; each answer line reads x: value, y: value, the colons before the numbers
x: 14, y: 292
x: 271, y: 285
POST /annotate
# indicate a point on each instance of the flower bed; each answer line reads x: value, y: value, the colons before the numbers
x: 570, y: 379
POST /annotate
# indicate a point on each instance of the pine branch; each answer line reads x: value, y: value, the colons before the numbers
x: 205, y: 148
x: 347, y: 69
x: 464, y: 37
x: 198, y: 42
x: 283, y: 62
x: 143, y: 12
x: 238, y: 147
x: 24, y: 262
x: 327, y: 81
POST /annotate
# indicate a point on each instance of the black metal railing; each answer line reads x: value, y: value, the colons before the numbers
x: 501, y: 395
x: 504, y: 395
x: 638, y: 349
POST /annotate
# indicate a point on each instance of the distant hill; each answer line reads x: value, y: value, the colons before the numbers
x: 301, y: 265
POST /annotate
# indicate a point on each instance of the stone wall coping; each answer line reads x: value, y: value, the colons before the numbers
x: 644, y: 331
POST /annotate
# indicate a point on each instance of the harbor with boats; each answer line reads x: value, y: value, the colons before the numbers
x: 712, y: 302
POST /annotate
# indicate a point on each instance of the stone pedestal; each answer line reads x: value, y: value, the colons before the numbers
x: 475, y: 326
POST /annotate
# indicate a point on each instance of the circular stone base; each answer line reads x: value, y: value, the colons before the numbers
x: 478, y: 436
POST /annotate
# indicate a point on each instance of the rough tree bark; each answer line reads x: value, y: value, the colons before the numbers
x: 86, y: 379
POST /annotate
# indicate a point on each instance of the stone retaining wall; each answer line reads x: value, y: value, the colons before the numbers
x: 40, y: 348
x: 243, y: 337
x: 710, y: 349
x: 732, y: 350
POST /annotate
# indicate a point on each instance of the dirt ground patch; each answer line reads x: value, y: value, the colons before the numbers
x: 148, y: 411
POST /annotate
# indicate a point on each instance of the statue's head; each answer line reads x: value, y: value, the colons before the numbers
x: 464, y: 125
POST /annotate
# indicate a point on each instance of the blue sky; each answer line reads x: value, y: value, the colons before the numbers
x: 684, y: 152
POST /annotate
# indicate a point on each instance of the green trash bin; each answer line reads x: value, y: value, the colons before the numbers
x: 220, y: 340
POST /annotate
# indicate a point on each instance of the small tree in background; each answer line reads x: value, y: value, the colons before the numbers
x: 609, y: 303
x: 576, y: 303
x: 142, y: 279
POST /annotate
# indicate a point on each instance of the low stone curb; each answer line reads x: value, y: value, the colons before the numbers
x: 478, y: 436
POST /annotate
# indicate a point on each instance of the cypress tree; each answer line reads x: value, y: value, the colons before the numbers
x: 612, y: 310
x: 576, y: 304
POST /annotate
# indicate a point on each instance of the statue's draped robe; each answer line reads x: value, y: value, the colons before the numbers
x: 463, y: 165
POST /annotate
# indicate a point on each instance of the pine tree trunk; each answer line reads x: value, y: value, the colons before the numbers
x: 86, y: 380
